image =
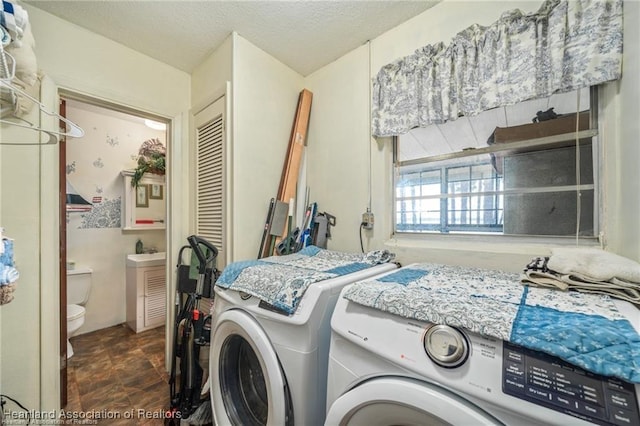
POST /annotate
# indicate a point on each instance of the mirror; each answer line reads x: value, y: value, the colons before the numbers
x: 144, y: 206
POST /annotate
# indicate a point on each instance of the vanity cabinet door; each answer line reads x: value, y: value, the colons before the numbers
x: 146, y: 297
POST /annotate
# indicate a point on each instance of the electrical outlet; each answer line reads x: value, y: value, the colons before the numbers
x: 367, y: 219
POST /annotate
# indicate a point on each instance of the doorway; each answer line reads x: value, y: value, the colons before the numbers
x: 93, y: 235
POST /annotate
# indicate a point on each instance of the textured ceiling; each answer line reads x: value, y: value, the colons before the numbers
x: 305, y: 35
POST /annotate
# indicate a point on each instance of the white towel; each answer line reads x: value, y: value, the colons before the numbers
x: 593, y: 264
x: 25, y: 58
x: 615, y: 288
x: 21, y: 105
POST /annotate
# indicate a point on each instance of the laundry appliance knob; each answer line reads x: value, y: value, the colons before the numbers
x: 446, y: 346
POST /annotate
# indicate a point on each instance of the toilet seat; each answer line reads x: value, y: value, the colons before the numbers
x: 74, y: 312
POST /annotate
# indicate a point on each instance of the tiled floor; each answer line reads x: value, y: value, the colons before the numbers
x: 115, y: 370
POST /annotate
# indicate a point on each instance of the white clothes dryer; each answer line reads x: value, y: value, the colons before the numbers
x: 269, y: 368
x: 389, y: 370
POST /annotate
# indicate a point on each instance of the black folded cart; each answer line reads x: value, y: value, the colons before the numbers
x: 192, y: 330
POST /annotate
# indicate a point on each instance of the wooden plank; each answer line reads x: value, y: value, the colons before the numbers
x: 287, y: 159
x: 297, y: 141
x: 290, y: 170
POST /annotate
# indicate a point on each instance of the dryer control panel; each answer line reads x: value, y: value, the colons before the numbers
x: 550, y: 382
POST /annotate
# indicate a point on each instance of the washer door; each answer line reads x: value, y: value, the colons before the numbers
x: 248, y: 386
x: 403, y: 401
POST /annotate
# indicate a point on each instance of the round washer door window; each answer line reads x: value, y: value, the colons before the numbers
x: 248, y: 385
x: 399, y: 401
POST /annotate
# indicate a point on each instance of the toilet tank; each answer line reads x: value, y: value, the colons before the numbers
x: 78, y: 286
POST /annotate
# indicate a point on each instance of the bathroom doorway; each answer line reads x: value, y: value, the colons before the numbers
x: 93, y: 190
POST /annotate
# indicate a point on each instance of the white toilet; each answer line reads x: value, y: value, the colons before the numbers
x: 78, y: 288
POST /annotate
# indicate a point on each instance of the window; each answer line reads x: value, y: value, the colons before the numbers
x: 472, y: 202
x: 518, y: 170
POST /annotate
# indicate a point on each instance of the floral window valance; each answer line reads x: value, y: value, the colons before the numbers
x: 565, y: 45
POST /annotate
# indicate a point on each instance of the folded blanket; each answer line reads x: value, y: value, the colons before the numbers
x: 8, y: 275
x: 6, y: 257
x: 19, y: 64
x: 586, y: 330
x: 593, y: 264
x: 15, y: 104
x: 14, y: 18
x: 615, y: 288
x: 283, y: 280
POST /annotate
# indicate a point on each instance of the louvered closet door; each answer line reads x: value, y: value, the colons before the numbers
x: 210, y: 176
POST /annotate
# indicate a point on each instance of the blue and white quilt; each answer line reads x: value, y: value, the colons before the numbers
x: 282, y: 280
x: 586, y: 330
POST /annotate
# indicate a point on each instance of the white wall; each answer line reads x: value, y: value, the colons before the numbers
x: 622, y: 149
x: 88, y: 63
x: 337, y: 133
x: 208, y: 80
x: 20, y: 216
x: 265, y: 97
x: 96, y: 239
x: 83, y: 62
x: 339, y: 145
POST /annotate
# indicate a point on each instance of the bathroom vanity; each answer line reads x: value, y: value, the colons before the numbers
x: 146, y: 291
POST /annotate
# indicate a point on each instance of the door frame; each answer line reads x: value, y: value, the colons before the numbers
x: 63, y: 95
x: 62, y: 180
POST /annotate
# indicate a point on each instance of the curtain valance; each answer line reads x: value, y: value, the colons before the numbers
x: 565, y: 45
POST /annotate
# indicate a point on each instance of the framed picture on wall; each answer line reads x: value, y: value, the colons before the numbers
x: 142, y: 196
x: 156, y: 191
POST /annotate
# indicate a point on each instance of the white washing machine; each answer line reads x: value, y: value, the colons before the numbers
x: 388, y: 370
x: 268, y: 368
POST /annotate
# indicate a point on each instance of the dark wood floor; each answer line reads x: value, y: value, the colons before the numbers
x: 116, y: 370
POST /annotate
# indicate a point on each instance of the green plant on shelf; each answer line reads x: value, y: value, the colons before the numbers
x: 151, y: 159
x: 154, y: 164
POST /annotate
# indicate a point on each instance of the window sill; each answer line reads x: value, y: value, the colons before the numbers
x: 485, y: 251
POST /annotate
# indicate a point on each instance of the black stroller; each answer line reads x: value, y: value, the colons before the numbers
x: 191, y: 332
